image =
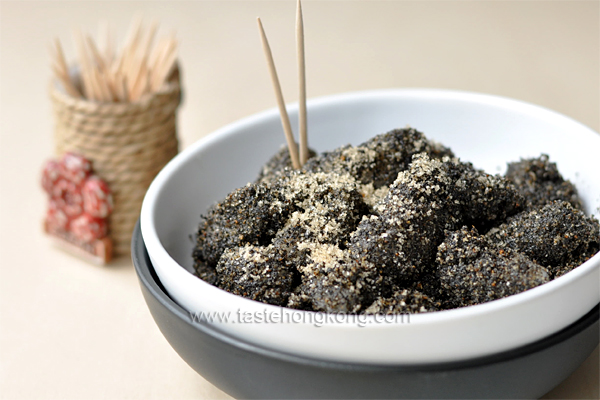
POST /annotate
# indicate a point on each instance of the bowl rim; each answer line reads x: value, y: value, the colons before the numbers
x: 148, y: 278
x: 149, y: 231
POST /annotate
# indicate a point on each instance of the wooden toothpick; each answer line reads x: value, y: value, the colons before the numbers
x: 85, y: 66
x: 168, y: 64
x: 149, y: 40
x: 285, y: 120
x: 302, y: 125
x: 96, y: 54
x: 65, y: 80
x: 164, y: 62
x: 105, y: 42
x: 62, y: 71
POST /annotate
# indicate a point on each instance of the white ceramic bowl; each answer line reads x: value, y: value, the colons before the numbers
x: 486, y: 130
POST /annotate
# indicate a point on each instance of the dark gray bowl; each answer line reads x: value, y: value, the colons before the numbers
x: 245, y: 370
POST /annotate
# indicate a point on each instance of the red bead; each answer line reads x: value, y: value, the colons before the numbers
x: 97, y: 199
x: 75, y: 167
x: 56, y: 217
x: 68, y: 197
x: 50, y: 175
x: 87, y: 228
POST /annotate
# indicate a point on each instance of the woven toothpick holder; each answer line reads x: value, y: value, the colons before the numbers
x: 128, y: 143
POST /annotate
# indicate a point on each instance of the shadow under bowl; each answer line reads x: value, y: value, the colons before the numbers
x: 246, y: 370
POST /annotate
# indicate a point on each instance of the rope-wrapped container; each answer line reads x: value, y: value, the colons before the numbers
x: 127, y: 142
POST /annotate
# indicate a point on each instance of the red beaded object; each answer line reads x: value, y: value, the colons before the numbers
x: 78, y: 208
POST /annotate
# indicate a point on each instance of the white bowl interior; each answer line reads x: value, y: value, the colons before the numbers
x: 486, y: 130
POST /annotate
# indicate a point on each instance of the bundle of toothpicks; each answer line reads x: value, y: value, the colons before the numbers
x: 141, y: 67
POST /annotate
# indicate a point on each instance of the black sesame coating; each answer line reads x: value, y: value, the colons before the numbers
x: 593, y: 249
x: 472, y: 270
x: 380, y: 159
x: 310, y: 226
x: 277, y: 164
x: 402, y: 302
x: 379, y: 246
x: 374, y: 247
x: 335, y: 197
x: 298, y: 300
x: 482, y: 199
x: 557, y: 236
x: 373, y: 196
x: 249, y: 215
x: 330, y: 281
x: 438, y: 151
x: 429, y: 284
x: 205, y: 272
x: 356, y: 161
x: 255, y: 272
x: 302, y: 188
x: 402, y: 241
x: 294, y: 256
x: 397, y: 148
x: 540, y: 182
x: 330, y: 207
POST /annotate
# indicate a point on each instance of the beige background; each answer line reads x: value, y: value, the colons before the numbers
x: 71, y: 330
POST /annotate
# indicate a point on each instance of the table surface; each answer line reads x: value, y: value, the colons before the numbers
x: 72, y: 330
